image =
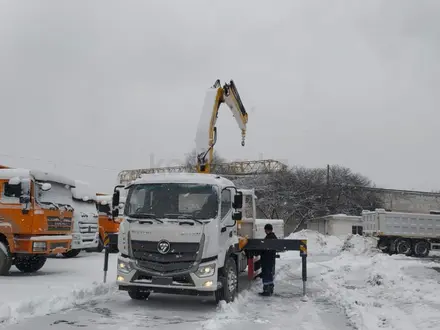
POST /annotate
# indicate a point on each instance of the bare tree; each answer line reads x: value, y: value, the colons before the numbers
x: 191, y: 159
x: 299, y: 194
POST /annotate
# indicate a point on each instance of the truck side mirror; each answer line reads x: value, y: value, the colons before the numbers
x: 238, y: 201
x: 24, y: 199
x: 115, y: 200
x: 46, y: 186
x: 236, y: 216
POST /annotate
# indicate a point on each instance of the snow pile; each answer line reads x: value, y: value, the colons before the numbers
x: 38, y: 306
x: 381, y: 291
x: 318, y: 243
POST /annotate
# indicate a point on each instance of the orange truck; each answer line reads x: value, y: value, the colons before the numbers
x: 33, y: 225
x: 107, y: 225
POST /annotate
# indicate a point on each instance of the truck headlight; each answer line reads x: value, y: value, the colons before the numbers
x: 76, y: 237
x: 206, y: 270
x: 39, y: 246
x: 124, y: 266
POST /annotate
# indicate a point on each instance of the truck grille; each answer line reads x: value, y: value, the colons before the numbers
x: 57, y: 224
x: 88, y: 228
x: 180, y: 258
x: 88, y: 231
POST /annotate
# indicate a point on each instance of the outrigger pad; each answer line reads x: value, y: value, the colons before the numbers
x: 275, y: 244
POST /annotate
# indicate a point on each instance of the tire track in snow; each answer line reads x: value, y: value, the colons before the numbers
x: 282, y: 310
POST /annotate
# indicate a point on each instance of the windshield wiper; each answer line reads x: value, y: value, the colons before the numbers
x: 189, y: 217
x: 144, y: 215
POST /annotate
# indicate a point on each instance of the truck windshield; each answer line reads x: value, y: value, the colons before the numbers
x: 173, y: 201
x: 81, y: 206
x: 58, y: 194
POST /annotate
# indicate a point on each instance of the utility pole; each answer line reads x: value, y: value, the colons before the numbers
x: 328, y: 176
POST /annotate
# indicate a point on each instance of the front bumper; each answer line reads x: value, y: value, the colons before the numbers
x: 85, y: 241
x: 44, y: 245
x: 188, y: 283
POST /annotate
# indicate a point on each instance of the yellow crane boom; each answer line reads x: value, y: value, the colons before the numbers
x: 206, y: 136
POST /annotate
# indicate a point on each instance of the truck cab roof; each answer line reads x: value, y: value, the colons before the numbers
x: 9, y: 173
x: 201, y: 178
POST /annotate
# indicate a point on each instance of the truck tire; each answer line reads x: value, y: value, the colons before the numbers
x: 138, y: 294
x: 404, y: 246
x: 100, y: 245
x: 71, y: 253
x: 384, y: 245
x: 5, y: 259
x: 229, y: 279
x: 30, y: 264
x: 421, y: 249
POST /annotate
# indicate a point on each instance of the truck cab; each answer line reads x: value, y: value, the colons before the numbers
x: 107, y: 225
x: 32, y: 225
x: 85, y: 232
x: 178, y: 235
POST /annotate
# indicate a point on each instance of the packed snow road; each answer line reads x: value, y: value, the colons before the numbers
x: 115, y: 310
x: 351, y: 286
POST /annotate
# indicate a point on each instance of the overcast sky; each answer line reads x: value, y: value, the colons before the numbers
x: 88, y: 88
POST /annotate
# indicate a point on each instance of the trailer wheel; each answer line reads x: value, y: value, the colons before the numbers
x: 30, y: 264
x: 5, y: 259
x: 71, y: 253
x: 421, y: 249
x: 138, y: 294
x: 384, y: 245
x: 229, y: 280
x: 404, y: 246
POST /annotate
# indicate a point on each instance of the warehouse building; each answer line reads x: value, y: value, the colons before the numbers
x: 337, y: 224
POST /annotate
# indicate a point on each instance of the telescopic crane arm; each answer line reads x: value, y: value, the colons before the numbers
x: 206, y: 136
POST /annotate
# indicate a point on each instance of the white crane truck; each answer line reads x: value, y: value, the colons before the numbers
x: 186, y: 233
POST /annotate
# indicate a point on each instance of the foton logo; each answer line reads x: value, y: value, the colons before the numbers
x: 141, y: 232
x: 163, y: 246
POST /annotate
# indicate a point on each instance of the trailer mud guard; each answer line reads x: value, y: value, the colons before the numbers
x: 254, y: 246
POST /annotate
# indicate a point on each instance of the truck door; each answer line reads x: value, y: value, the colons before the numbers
x: 11, y: 210
x: 225, y: 219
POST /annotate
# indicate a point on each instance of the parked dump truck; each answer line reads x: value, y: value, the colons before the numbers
x: 85, y: 219
x: 403, y: 233
x: 107, y: 225
x: 33, y: 224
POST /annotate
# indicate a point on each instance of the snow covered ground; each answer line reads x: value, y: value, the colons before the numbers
x: 351, y: 286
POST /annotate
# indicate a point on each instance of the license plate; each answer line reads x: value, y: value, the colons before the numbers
x: 162, y: 280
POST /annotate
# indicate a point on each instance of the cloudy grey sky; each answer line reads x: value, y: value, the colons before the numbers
x: 88, y: 88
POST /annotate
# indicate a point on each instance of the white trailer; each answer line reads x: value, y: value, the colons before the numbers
x: 403, y: 233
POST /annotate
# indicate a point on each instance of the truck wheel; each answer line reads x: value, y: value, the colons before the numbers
x: 30, y: 264
x: 383, y: 245
x: 421, y: 249
x: 5, y: 259
x: 100, y: 245
x: 137, y: 294
x: 404, y: 246
x: 229, y: 280
x: 71, y: 253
